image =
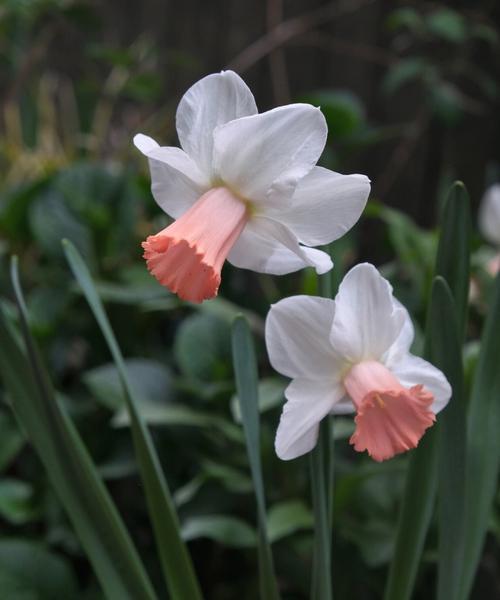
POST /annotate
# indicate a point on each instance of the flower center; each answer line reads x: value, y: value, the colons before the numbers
x: 390, y: 418
x: 187, y: 256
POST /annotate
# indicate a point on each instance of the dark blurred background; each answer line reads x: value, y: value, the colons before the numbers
x: 411, y: 88
x: 411, y: 93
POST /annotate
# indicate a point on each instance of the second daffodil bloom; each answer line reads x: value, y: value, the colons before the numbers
x: 244, y: 187
x: 489, y: 223
x: 352, y: 354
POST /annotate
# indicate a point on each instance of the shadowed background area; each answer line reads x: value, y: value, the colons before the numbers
x: 411, y: 94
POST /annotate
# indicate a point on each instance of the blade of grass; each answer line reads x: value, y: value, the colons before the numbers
x: 68, y: 464
x: 245, y: 371
x: 174, y: 557
x: 445, y: 353
x: 483, y: 445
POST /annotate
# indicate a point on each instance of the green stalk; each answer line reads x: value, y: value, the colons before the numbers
x: 321, y: 474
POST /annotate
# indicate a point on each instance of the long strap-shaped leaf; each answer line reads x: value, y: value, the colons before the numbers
x: 422, y: 476
x: 483, y: 444
x: 453, y: 255
x: 453, y: 265
x: 175, y: 560
x: 445, y: 353
x: 245, y: 371
x: 69, y: 466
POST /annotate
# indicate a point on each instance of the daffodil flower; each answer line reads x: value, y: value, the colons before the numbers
x: 244, y: 187
x: 352, y: 354
x: 489, y: 224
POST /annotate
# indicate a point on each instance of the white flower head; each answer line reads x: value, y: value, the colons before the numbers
x: 245, y: 187
x: 489, y: 214
x: 352, y: 354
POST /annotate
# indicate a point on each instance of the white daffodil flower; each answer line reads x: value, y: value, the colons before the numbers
x: 489, y: 214
x: 244, y: 187
x: 352, y: 354
x: 489, y: 224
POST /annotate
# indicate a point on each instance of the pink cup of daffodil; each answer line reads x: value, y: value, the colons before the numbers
x: 245, y: 187
x: 352, y: 354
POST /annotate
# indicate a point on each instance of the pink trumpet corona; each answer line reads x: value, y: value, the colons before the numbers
x: 187, y: 256
x: 390, y: 418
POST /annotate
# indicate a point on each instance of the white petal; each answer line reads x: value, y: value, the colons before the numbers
x: 403, y: 342
x: 297, y: 337
x: 367, y: 321
x: 412, y: 370
x: 489, y: 214
x: 264, y: 156
x: 267, y: 246
x: 309, y: 400
x: 212, y: 101
x: 176, y: 182
x: 344, y: 406
x: 325, y: 205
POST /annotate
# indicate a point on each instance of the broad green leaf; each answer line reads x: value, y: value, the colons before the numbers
x: 483, y: 444
x: 175, y: 560
x: 453, y: 255
x: 16, y: 501
x: 447, y: 24
x: 228, y: 531
x: 344, y: 112
x: 29, y: 570
x: 150, y: 381
x: 245, y: 371
x: 154, y: 413
x: 69, y: 466
x: 403, y: 72
x: 50, y: 215
x: 286, y: 518
x: 202, y: 347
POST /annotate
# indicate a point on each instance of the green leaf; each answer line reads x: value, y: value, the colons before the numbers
x: 69, y: 466
x: 150, y: 381
x: 202, y: 347
x: 228, y: 531
x: 175, y: 560
x: 405, y: 17
x: 448, y: 25
x: 287, y: 518
x: 445, y: 353
x: 453, y: 255
x: 154, y: 413
x: 16, y: 504
x: 421, y: 481
x: 343, y: 110
x: 245, y: 370
x: 12, y: 440
x: 483, y: 444
x: 403, y: 72
x: 50, y: 217
x: 321, y: 474
x: 29, y: 571
x: 271, y: 390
